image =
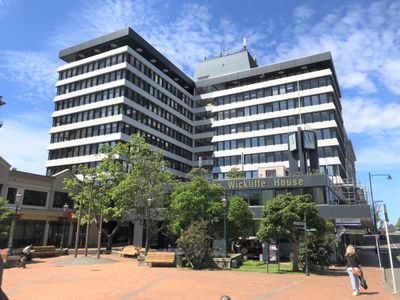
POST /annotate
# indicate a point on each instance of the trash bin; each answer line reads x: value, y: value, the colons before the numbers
x: 179, y: 259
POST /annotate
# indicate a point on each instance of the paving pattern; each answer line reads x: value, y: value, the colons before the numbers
x: 60, y: 278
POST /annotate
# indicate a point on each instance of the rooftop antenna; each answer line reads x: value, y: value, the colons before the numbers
x: 244, y: 43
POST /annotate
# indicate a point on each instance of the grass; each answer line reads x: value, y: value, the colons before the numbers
x: 257, y: 266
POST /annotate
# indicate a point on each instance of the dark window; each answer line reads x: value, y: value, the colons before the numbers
x: 61, y: 198
x: 11, y: 193
x: 35, y: 198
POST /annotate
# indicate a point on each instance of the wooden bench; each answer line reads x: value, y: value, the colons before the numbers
x: 131, y: 251
x: 160, y: 258
x: 44, y: 251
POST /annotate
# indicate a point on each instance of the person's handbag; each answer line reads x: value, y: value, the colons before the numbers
x: 363, y: 282
x: 356, y: 271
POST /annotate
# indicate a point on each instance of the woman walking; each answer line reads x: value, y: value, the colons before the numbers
x: 353, y: 268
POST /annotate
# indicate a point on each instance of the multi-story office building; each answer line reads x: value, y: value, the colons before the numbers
x: 255, y: 108
x: 235, y: 113
x: 115, y: 86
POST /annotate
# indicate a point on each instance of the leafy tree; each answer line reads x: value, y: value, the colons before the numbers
x: 398, y: 224
x: 194, y: 172
x: 5, y: 217
x: 320, y: 247
x: 128, y: 175
x: 239, y: 218
x: 235, y: 173
x: 195, y: 201
x: 195, y: 243
x: 280, y: 213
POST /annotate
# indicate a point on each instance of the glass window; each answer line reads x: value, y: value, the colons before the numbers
x: 254, y: 126
x: 275, y: 90
x: 263, y: 158
x: 261, y: 141
x: 255, y: 197
x: 248, y: 143
x: 11, y: 194
x: 270, y: 157
x: 260, y: 108
x: 61, y: 198
x: 290, y: 104
x: 317, y: 117
x: 266, y: 195
x: 254, y: 142
x: 270, y: 140
x: 253, y: 110
x: 315, y: 100
x: 247, y: 159
x: 282, y: 89
x: 227, y: 145
x: 323, y: 98
x: 254, y: 158
x: 240, y: 127
x: 240, y: 143
x: 275, y: 106
x: 247, y: 127
x: 36, y: 198
x: 277, y: 139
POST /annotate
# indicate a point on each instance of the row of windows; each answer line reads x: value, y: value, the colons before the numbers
x: 277, y: 139
x: 121, y: 74
x: 84, y: 150
x: 269, y: 157
x: 110, y: 128
x: 121, y: 91
x: 203, y: 128
x: 30, y: 197
x: 273, y: 107
x: 137, y: 64
x: 276, y: 122
x: 164, y: 114
x: 274, y: 90
x: 92, y: 114
x: 160, y: 127
x: 251, y: 158
x: 93, y: 66
x: 153, y: 140
x: 90, y: 82
x: 86, y: 132
x: 120, y: 58
x: 143, y: 85
x: 90, y: 98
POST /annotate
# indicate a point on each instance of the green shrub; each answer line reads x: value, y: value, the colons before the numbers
x: 195, y: 243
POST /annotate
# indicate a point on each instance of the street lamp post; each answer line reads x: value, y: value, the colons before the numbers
x: 372, y: 195
x: 148, y: 224
x: 224, y: 203
x: 18, y: 199
x: 65, y: 207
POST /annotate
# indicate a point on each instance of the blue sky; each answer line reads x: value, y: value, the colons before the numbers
x: 363, y: 36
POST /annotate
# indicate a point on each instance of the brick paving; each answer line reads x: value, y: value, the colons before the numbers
x: 124, y: 279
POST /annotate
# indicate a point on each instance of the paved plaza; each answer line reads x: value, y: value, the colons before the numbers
x: 121, y: 279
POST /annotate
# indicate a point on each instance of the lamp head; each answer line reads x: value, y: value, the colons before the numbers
x: 389, y: 177
x: 18, y: 198
x: 66, y: 206
x: 224, y: 202
x: 149, y: 202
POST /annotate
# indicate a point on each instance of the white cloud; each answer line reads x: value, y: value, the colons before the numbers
x: 34, y: 72
x: 364, y: 41
x: 5, y: 6
x: 302, y: 12
x: 365, y: 115
x: 23, y: 142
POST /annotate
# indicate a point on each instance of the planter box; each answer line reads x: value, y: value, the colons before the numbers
x: 228, y: 262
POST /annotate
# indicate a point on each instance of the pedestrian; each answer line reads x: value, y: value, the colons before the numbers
x: 353, y: 268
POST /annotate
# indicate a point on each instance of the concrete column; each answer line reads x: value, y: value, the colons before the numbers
x: 70, y: 233
x: 138, y: 234
x: 46, y: 232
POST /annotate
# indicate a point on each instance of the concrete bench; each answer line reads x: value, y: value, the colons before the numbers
x: 160, y: 258
x: 9, y: 261
x: 44, y: 251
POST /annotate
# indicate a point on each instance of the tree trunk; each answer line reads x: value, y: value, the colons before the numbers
x: 296, y: 258
x: 111, y: 236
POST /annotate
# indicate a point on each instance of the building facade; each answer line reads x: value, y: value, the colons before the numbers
x: 233, y: 114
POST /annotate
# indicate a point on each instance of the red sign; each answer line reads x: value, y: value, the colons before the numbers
x: 19, y: 217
